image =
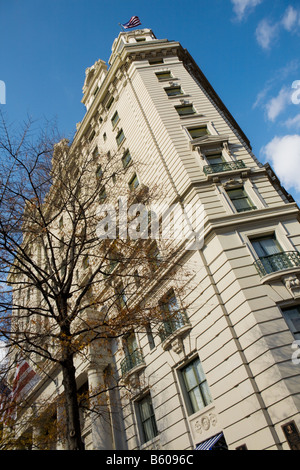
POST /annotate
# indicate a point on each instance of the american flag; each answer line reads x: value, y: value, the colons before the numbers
x: 132, y: 23
x: 25, y: 379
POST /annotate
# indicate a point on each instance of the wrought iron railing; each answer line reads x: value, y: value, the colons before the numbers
x: 224, y: 166
x: 277, y: 262
x: 131, y: 360
x: 170, y: 326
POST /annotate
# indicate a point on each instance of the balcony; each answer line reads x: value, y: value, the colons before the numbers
x: 173, y: 328
x: 277, y: 262
x: 132, y: 362
x: 223, y: 166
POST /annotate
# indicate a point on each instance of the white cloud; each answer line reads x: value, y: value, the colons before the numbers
x: 277, y: 104
x: 241, y: 7
x: 283, y: 153
x: 293, y: 122
x: 278, y: 75
x: 266, y: 33
x: 291, y: 19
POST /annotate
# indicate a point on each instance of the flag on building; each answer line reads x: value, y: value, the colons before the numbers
x: 132, y: 23
x: 25, y: 379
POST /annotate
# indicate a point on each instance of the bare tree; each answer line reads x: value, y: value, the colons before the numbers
x: 69, y: 276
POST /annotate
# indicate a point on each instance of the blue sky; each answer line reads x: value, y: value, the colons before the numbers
x: 248, y: 49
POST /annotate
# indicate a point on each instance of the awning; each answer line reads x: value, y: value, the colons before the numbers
x: 207, y: 445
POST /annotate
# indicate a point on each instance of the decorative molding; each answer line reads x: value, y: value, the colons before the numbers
x: 205, y: 422
x: 292, y: 283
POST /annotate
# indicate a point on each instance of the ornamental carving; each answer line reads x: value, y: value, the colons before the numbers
x: 292, y: 283
x: 205, y: 422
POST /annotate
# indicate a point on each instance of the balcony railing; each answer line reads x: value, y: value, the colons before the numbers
x: 224, y: 166
x: 170, y: 326
x: 277, y: 262
x: 131, y: 360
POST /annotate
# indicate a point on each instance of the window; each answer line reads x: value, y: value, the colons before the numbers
x: 147, y: 419
x: 92, y: 135
x: 196, y: 389
x: 134, y: 182
x: 104, y: 137
x: 196, y: 132
x: 155, y: 61
x: 140, y: 39
x: 126, y: 159
x: 240, y: 200
x: 115, y: 119
x: 292, y: 317
x: 174, y: 318
x: 215, y: 159
x: 154, y: 257
x: 85, y: 262
x: 150, y: 337
x: 120, y: 137
x: 271, y: 256
x: 99, y: 172
x: 102, y: 195
x: 96, y: 153
x: 174, y: 91
x: 110, y: 102
x: 130, y: 344
x: 113, y: 259
x: 137, y: 279
x: 266, y: 246
x: 164, y: 75
x: 185, y: 110
x: 121, y: 296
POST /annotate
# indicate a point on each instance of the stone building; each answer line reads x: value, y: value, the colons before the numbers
x: 223, y: 375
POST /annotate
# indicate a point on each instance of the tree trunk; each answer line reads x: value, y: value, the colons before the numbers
x: 73, y: 430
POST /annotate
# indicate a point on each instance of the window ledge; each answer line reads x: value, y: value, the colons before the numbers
x: 167, y: 79
x: 172, y: 339
x: 215, y: 177
x: 178, y: 96
x: 132, y: 377
x: 189, y: 116
x: 279, y: 275
x: 153, y: 444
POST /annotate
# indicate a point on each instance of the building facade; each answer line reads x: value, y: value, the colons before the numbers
x: 224, y: 373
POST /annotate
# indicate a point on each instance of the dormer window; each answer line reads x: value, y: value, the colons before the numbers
x: 185, y: 110
x: 166, y: 75
x: 156, y: 61
x: 196, y: 132
x: 174, y: 91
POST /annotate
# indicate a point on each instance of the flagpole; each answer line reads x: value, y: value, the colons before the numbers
x: 123, y: 29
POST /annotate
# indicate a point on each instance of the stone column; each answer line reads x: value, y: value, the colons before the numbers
x: 100, y: 417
